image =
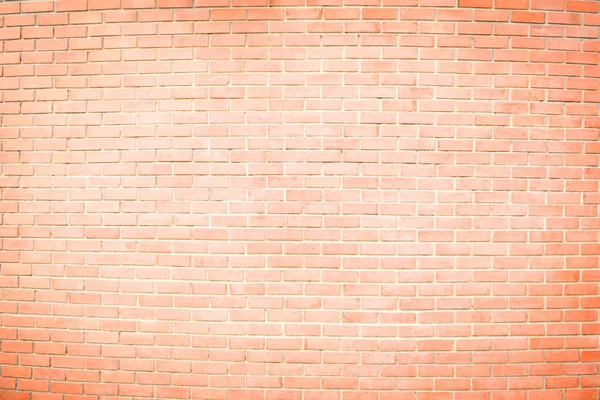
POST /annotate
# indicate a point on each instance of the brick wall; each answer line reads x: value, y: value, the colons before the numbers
x: 306, y: 199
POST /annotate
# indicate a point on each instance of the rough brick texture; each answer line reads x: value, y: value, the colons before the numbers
x: 300, y: 199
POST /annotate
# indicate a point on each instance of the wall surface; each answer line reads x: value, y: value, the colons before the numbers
x: 300, y: 199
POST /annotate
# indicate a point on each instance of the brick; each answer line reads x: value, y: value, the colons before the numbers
x: 70, y: 5
x: 240, y: 185
x: 103, y: 5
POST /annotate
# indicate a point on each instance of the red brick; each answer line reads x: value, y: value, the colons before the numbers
x: 138, y: 3
x: 174, y: 3
x: 70, y: 5
x: 267, y: 186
